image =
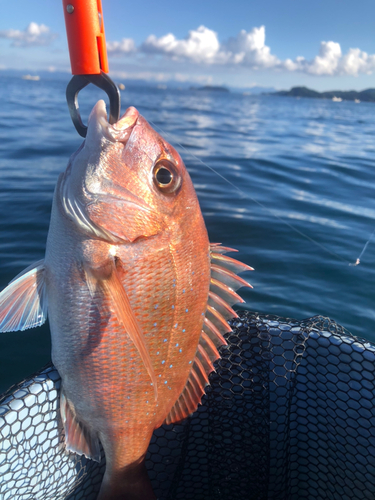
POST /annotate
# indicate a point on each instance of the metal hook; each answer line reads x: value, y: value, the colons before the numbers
x: 101, y: 80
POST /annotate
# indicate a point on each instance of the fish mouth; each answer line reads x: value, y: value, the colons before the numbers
x: 119, y: 131
x: 78, y: 198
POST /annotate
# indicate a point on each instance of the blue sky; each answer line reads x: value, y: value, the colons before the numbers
x: 325, y: 45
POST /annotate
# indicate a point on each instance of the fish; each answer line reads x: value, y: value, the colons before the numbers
x: 137, y: 297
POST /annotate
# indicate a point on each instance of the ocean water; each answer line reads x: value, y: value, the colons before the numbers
x: 309, y: 163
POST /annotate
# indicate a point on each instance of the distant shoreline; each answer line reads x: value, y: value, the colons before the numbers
x: 367, y: 95
x: 211, y: 88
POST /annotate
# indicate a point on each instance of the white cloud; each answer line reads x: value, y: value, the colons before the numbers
x: 326, y: 63
x: 332, y: 62
x: 356, y: 61
x: 247, y: 49
x: 34, y: 34
x: 125, y: 46
x: 200, y: 46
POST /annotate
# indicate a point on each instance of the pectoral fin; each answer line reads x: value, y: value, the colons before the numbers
x: 23, y: 303
x: 112, y: 287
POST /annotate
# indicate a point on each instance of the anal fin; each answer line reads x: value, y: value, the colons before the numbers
x: 77, y: 437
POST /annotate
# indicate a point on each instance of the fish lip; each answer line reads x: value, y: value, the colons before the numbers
x: 119, y: 131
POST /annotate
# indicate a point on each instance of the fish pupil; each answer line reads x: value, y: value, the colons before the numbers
x: 164, y: 176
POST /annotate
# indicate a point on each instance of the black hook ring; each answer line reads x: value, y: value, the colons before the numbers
x: 77, y: 83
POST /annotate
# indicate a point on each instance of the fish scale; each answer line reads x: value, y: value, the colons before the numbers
x: 114, y: 370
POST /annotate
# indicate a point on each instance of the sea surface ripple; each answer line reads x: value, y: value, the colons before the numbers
x: 308, y: 162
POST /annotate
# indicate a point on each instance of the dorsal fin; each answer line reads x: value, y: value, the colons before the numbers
x: 224, y: 282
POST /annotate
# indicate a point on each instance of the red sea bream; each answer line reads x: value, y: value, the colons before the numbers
x: 137, y: 298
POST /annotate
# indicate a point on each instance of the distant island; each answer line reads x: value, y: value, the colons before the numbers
x: 367, y: 95
x: 211, y: 88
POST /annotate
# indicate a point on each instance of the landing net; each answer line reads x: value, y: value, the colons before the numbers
x: 290, y: 414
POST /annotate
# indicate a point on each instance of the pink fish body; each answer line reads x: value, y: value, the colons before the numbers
x: 138, y: 300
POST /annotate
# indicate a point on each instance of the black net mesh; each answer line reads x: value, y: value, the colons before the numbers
x: 289, y: 414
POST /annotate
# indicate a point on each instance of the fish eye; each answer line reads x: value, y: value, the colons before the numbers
x: 166, y: 176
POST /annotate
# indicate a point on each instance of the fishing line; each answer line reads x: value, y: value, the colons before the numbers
x: 246, y: 195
